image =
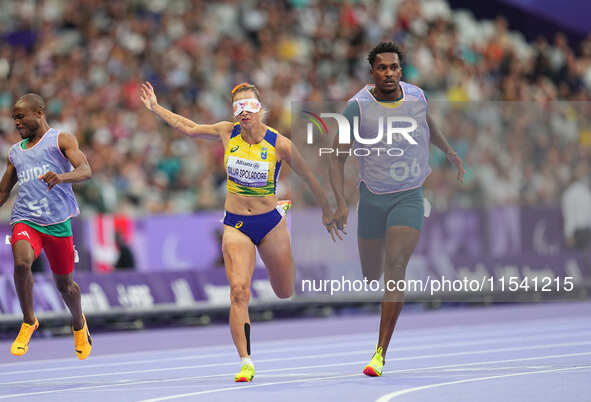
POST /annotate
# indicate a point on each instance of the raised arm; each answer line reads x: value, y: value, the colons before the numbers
x: 290, y: 154
x: 8, y: 181
x: 69, y: 146
x: 438, y: 139
x: 187, y: 126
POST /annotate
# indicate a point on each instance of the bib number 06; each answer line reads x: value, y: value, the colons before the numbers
x: 400, y: 170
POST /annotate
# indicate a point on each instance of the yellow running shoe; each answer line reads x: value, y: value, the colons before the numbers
x: 376, y: 365
x: 20, y: 346
x: 246, y: 374
x: 82, y: 341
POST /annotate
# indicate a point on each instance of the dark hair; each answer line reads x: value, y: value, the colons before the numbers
x: 245, y: 86
x: 34, y: 101
x: 384, y: 47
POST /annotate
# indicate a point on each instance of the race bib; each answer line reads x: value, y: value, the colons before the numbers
x: 246, y: 172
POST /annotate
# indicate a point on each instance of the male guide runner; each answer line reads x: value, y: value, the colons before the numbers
x: 44, y: 164
x: 391, y: 202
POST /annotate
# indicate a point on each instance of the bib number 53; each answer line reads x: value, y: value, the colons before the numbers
x: 39, y: 207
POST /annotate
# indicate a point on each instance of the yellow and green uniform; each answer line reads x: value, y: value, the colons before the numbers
x: 252, y: 169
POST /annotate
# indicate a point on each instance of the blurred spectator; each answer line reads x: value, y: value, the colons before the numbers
x: 90, y: 56
x: 576, y: 209
x: 126, y: 259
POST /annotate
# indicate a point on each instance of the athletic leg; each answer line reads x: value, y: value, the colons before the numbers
x: 70, y: 292
x: 60, y: 254
x: 372, y: 213
x: 26, y: 246
x: 275, y: 251
x: 401, y: 241
x: 371, y: 255
x: 239, y: 258
x: 404, y: 223
x: 23, y: 278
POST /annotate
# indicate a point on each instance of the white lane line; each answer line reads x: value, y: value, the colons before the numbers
x: 198, y: 349
x: 290, y: 349
x: 313, y: 356
x: 359, y: 362
x: 160, y: 381
x: 212, y: 391
x: 236, y: 387
x: 389, y: 397
x: 403, y: 335
x: 182, y: 358
x: 461, y: 370
x: 451, y: 332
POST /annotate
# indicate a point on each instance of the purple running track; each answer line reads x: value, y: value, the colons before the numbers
x: 511, y: 353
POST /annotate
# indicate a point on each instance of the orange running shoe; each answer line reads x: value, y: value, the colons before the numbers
x: 20, y: 346
x: 82, y: 341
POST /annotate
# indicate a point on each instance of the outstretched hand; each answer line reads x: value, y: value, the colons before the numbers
x: 455, y: 159
x: 329, y: 219
x: 148, y: 96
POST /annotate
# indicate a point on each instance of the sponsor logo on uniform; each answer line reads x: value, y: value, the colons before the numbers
x: 24, y: 233
x: 239, y: 224
x: 264, y: 153
x: 247, y: 172
x: 234, y: 148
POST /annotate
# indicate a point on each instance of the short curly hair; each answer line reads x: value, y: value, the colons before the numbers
x: 384, y: 47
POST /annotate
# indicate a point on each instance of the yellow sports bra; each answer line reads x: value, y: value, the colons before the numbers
x: 252, y: 169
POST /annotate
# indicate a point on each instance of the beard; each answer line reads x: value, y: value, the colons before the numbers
x: 388, y: 91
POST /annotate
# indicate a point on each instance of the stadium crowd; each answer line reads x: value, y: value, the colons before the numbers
x: 511, y: 108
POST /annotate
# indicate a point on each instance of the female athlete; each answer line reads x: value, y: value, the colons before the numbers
x: 254, y: 153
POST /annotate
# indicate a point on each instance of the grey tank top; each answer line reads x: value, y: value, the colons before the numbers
x: 34, y: 202
x: 394, y: 164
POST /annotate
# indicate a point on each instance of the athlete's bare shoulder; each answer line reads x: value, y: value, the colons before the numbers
x: 66, y: 140
x: 224, y: 128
